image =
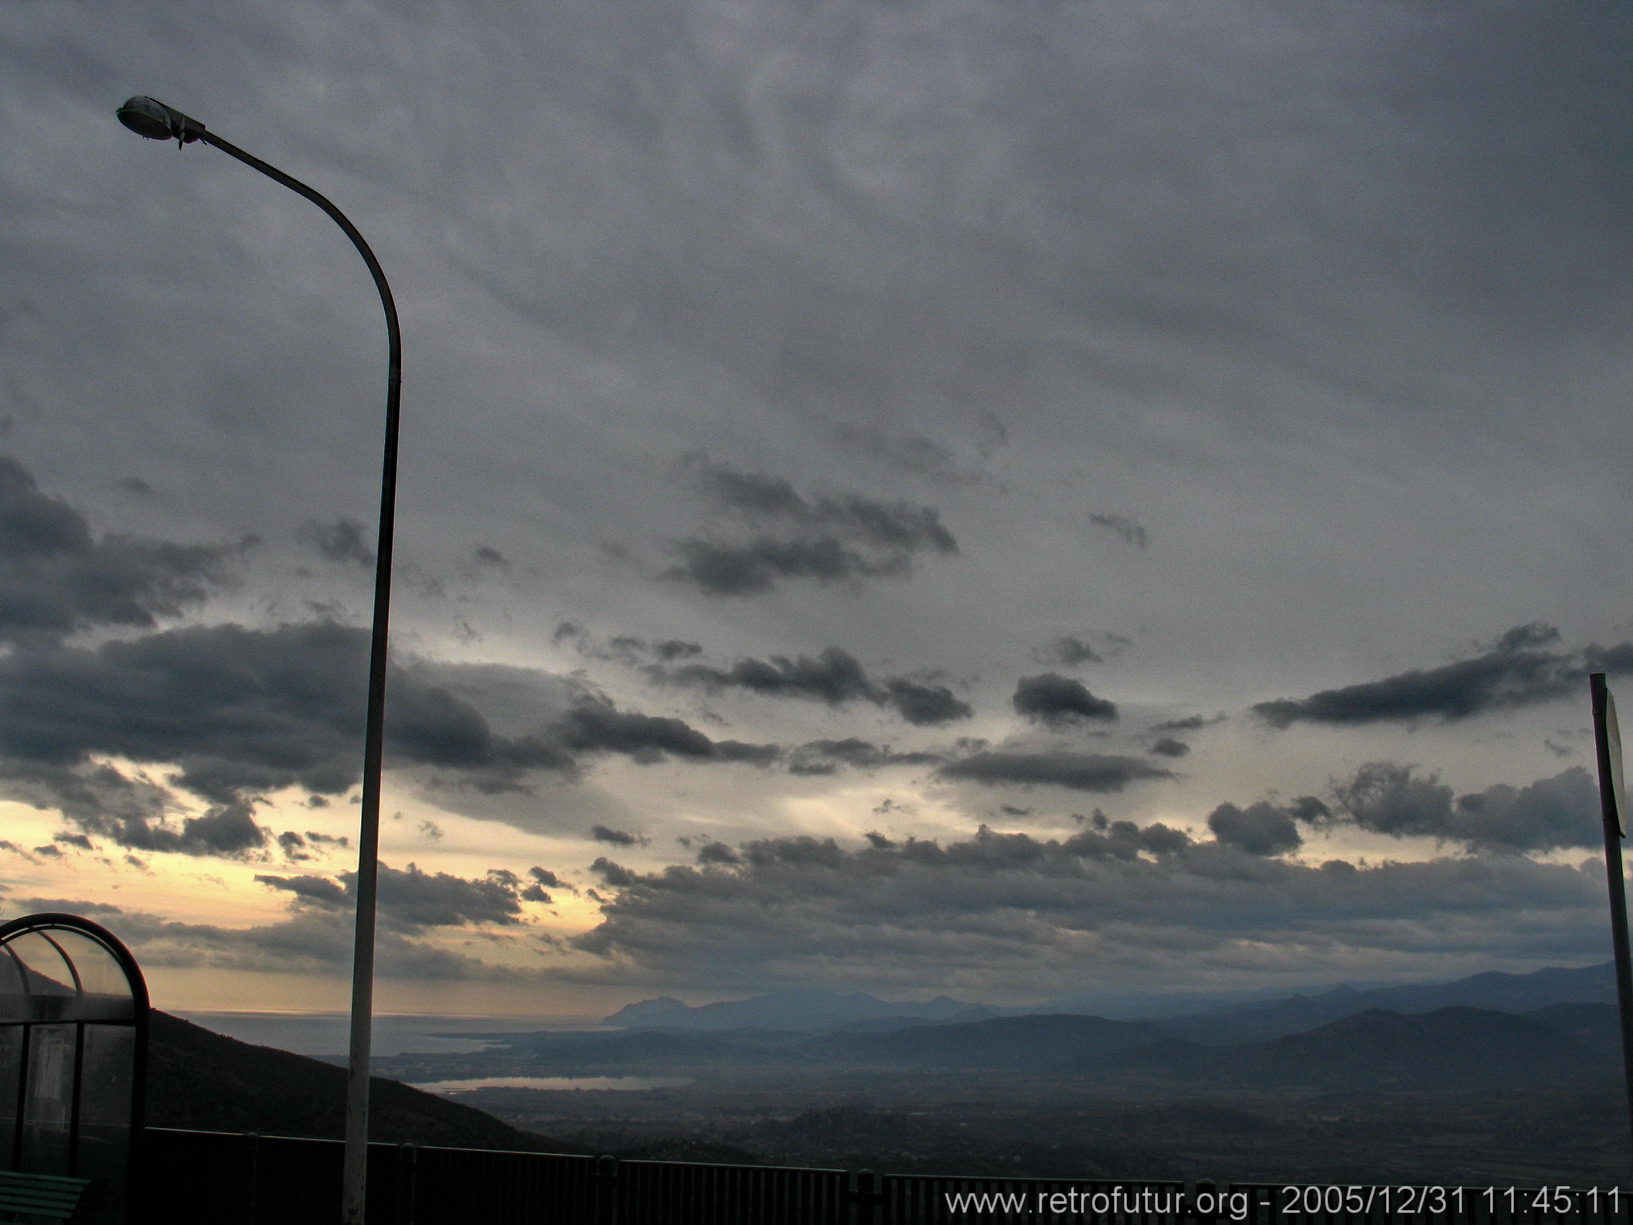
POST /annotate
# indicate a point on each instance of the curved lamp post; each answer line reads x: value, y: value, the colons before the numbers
x: 153, y: 119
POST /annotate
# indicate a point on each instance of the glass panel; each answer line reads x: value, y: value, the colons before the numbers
x: 11, y: 1050
x: 99, y: 973
x: 49, y: 1099
x: 107, y: 1070
x: 48, y: 973
x: 107, y: 994
x: 13, y: 1005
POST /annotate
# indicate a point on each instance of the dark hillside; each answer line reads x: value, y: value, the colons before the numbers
x: 205, y: 1081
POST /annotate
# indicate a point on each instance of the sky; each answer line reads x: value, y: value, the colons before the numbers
x: 1014, y: 499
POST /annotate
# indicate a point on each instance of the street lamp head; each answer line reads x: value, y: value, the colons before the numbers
x: 151, y: 118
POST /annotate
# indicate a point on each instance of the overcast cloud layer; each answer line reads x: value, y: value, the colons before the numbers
x: 1049, y: 494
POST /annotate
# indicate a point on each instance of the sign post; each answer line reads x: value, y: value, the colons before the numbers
x: 1613, y: 809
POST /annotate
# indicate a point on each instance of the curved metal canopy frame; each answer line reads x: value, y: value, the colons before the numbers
x: 73, y: 1057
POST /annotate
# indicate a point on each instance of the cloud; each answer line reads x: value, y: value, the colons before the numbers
x: 925, y: 705
x: 1067, y: 651
x: 344, y: 542
x: 1131, y: 532
x: 834, y: 677
x: 1167, y: 746
x: 410, y: 898
x: 1557, y: 813
x: 243, y: 712
x: 1517, y: 670
x: 1259, y: 829
x: 56, y: 577
x: 915, y: 453
x: 1077, y: 771
x: 1006, y: 912
x: 594, y: 724
x: 827, y: 756
x: 776, y: 533
x: 617, y: 837
x: 1058, y: 701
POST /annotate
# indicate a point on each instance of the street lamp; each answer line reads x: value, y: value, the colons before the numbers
x: 153, y: 119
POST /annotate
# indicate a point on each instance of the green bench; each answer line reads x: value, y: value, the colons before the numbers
x: 32, y: 1196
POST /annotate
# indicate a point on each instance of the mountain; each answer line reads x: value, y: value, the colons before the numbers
x: 1034, y: 1044
x: 1494, y: 990
x: 1596, y: 1026
x: 790, y: 1010
x: 204, y: 1081
x: 1450, y: 1048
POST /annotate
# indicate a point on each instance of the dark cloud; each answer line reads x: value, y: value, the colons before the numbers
x: 1131, y: 532
x: 595, y: 725
x: 913, y: 453
x: 344, y: 542
x: 717, y: 853
x: 1387, y: 798
x: 833, y: 677
x: 316, y: 890
x: 487, y: 555
x: 55, y: 577
x: 1078, y: 771
x: 1555, y: 813
x: 1517, y: 670
x: 1068, y: 651
x: 1009, y: 908
x: 135, y: 813
x: 410, y: 898
x: 243, y: 712
x: 1190, y: 723
x: 1058, y: 701
x: 612, y: 874
x: 311, y: 941
x: 777, y: 534
x: 546, y: 877
x: 1259, y: 829
x: 1169, y: 747
x: 617, y: 837
x: 827, y: 756
x: 925, y: 705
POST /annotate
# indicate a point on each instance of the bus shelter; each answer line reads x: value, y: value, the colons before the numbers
x: 73, y: 1057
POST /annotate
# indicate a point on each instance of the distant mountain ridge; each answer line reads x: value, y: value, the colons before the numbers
x: 1234, y: 1022
x: 791, y: 1010
x: 1454, y: 1048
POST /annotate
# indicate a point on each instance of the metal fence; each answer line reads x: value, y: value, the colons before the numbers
x: 221, y: 1178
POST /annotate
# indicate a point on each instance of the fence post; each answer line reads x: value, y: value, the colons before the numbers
x: 866, y: 1198
x: 252, y: 1169
x: 408, y: 1174
x: 606, y: 1189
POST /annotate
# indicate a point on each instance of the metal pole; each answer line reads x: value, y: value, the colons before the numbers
x: 185, y: 130
x: 1610, y: 804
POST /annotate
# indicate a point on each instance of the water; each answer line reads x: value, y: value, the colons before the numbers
x: 327, y: 1033
x: 627, y: 1083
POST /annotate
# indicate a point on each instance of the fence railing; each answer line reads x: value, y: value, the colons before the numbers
x: 223, y: 1178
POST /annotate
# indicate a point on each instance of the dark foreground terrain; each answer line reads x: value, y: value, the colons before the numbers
x: 1532, y: 1137
x: 1458, y: 1095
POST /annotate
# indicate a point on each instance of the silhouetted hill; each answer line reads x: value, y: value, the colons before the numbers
x: 202, y: 1080
x: 1514, y: 993
x: 1450, y: 1048
x: 1035, y: 1044
x: 790, y: 1010
x: 1596, y: 1026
